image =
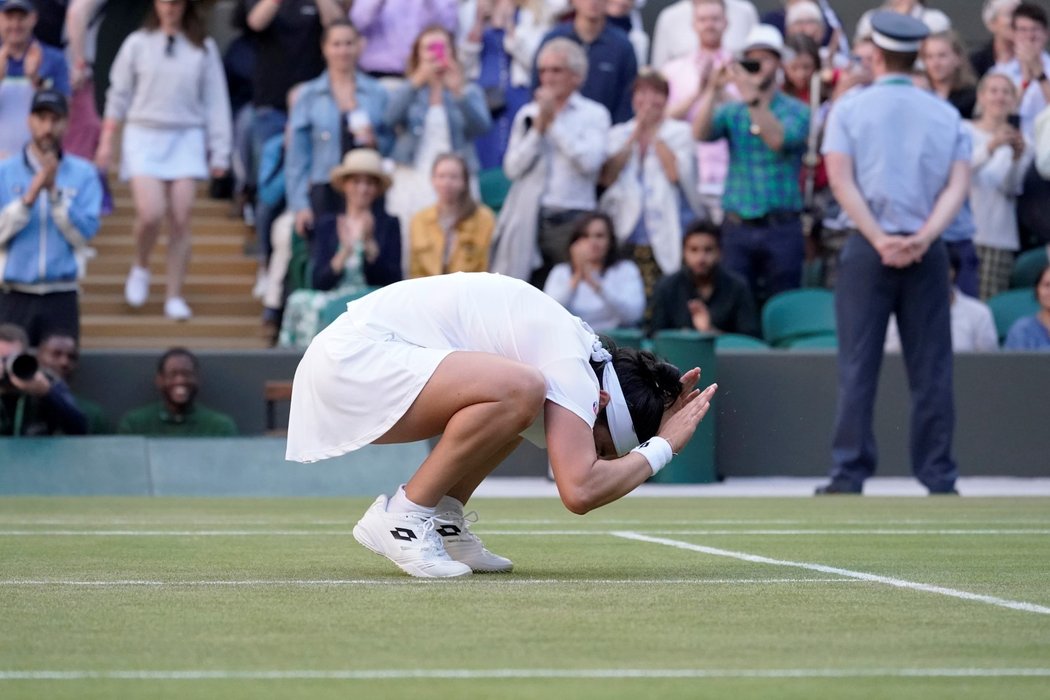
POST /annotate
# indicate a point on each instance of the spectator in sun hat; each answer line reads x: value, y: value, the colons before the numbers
x: 767, y: 131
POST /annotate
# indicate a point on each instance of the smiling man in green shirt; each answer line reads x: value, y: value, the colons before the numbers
x: 177, y: 414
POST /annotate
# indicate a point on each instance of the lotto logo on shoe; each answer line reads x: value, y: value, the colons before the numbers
x: 403, y: 533
x: 449, y: 531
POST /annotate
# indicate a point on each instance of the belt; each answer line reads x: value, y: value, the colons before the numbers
x: 775, y: 217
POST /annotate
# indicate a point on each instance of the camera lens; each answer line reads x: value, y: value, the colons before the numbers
x: 22, y: 366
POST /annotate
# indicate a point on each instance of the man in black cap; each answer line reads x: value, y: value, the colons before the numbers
x: 50, y: 210
x: 22, y: 56
x: 898, y: 161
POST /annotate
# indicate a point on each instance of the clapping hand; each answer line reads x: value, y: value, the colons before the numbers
x: 681, y: 417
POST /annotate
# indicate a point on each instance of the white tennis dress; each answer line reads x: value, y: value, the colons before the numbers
x: 362, y: 373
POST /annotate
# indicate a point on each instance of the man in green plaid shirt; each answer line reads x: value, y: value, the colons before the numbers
x: 767, y: 130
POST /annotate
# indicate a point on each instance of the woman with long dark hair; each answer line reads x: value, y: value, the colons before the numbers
x: 482, y: 361
x: 167, y: 84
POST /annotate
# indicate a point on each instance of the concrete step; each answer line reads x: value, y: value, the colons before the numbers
x: 164, y: 342
x: 225, y: 243
x: 95, y: 303
x: 150, y: 325
x: 218, y: 263
x: 121, y: 225
x: 196, y: 284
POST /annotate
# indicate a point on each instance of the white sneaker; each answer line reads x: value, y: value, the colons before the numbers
x: 176, y: 309
x: 261, y: 283
x: 410, y: 540
x: 464, y: 546
x: 136, y: 288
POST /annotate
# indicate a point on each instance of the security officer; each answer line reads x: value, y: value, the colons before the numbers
x: 898, y: 161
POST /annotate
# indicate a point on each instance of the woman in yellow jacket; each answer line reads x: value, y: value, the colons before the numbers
x: 454, y: 235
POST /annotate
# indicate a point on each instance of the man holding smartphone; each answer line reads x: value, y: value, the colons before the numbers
x: 766, y: 131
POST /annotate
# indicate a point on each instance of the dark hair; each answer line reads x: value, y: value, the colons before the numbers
x: 326, y: 30
x: 1030, y: 11
x: 176, y: 352
x: 804, y: 44
x: 1042, y: 274
x: 13, y: 333
x: 579, y: 230
x: 57, y: 333
x: 704, y: 227
x: 192, y: 24
x: 649, y: 386
x: 413, y: 55
x: 898, y: 62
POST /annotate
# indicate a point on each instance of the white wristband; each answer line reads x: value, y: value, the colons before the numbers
x: 656, y: 451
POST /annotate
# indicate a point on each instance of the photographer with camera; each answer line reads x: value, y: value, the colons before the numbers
x: 50, y: 210
x: 32, y: 402
x: 767, y: 131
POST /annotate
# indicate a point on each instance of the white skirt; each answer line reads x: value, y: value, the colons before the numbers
x: 166, y: 154
x: 351, y: 388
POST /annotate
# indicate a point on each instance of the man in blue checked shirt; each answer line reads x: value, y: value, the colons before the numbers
x: 898, y: 161
x: 766, y: 130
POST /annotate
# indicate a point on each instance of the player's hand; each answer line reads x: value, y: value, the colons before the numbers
x: 679, y: 428
x: 687, y: 393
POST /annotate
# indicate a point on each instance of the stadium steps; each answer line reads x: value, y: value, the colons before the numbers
x: 218, y: 286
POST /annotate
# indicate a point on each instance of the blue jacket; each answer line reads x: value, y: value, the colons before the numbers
x: 468, y: 118
x: 54, y: 71
x: 316, y: 146
x: 386, y: 269
x: 38, y: 244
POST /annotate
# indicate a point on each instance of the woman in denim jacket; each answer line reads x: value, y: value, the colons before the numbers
x: 436, y: 111
x: 339, y: 110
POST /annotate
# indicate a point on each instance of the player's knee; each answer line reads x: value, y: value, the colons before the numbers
x: 526, y: 392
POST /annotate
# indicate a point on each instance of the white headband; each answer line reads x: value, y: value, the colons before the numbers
x: 897, y: 45
x: 621, y: 427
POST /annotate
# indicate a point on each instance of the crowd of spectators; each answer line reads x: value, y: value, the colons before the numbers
x: 664, y: 181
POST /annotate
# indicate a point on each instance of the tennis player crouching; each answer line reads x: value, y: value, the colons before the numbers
x: 483, y: 361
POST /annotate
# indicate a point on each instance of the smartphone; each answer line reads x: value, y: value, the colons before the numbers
x: 750, y: 65
x: 436, y: 49
x: 1014, y: 120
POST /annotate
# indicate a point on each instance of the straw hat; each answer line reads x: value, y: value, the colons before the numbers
x: 360, y: 161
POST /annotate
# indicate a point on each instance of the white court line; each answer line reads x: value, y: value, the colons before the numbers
x: 522, y: 533
x: 525, y: 673
x: 596, y: 522
x: 860, y: 575
x: 476, y: 580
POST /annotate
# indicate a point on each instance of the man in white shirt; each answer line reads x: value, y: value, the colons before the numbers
x: 1031, y: 63
x: 553, y: 159
x: 685, y: 75
x: 673, y: 35
x: 1042, y: 143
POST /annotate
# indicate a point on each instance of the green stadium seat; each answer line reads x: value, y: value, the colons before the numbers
x: 821, y: 341
x: 1027, y: 268
x: 626, y: 337
x: 737, y: 341
x: 334, y: 308
x: 1011, y: 305
x: 494, y: 186
x: 798, y: 313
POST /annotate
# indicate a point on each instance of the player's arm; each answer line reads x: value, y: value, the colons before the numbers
x: 585, y: 480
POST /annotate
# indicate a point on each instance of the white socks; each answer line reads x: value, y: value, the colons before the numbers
x: 400, y: 503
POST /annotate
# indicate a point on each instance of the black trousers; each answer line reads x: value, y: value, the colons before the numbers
x: 40, y: 314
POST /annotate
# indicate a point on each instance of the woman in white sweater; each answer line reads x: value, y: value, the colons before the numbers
x: 1000, y: 158
x: 595, y: 284
x: 167, y: 84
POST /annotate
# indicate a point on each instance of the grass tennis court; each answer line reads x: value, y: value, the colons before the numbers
x: 646, y: 598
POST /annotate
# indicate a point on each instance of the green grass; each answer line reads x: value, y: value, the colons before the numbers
x: 581, y: 599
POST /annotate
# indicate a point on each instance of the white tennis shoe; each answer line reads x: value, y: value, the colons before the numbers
x: 464, y: 546
x: 410, y: 540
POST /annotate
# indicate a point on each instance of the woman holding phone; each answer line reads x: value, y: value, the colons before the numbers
x: 436, y: 111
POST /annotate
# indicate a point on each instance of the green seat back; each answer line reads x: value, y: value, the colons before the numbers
x: 1027, y: 268
x: 494, y: 185
x: 1011, y: 305
x: 335, y: 307
x: 798, y: 313
x: 814, y: 342
x: 738, y: 341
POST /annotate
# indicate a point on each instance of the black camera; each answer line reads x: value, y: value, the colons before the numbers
x: 21, y: 367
